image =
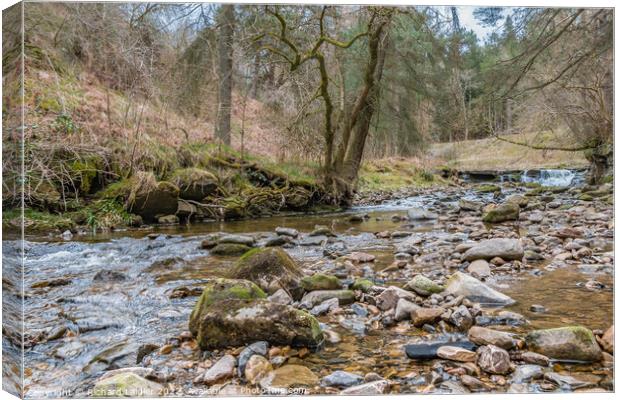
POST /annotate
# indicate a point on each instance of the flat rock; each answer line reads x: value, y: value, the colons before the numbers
x: 316, y: 297
x: 370, y: 388
x: 507, y: 249
x: 483, y: 336
x: 421, y: 316
x: 527, y: 372
x: 461, y: 284
x: 287, y: 232
x: 566, y: 381
x: 575, y: 343
x: 289, y: 376
x: 224, y: 368
x: 415, y: 214
x: 127, y: 384
x: 237, y: 239
x: 454, y: 353
x: 342, y: 379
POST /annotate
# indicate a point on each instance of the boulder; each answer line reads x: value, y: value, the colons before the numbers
x: 149, y: 198
x: 415, y: 214
x: 507, y: 249
x: 229, y: 249
x: 239, y: 322
x: 461, y: 284
x: 271, y: 269
x: 484, y: 336
x: 423, y: 286
x: 194, y: 183
x: 316, y: 297
x: 575, y: 343
x: 500, y: 213
x: 127, y: 384
x: 493, y: 360
x: 320, y: 282
x: 218, y: 290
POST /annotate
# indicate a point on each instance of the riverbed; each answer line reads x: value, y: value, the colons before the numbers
x: 93, y: 302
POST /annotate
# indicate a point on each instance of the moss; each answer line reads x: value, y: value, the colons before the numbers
x: 501, y: 213
x: 35, y: 222
x: 85, y: 170
x: 362, y: 284
x: 320, y: 282
x: 585, y: 197
x: 269, y: 266
x: 394, y: 174
x: 488, y: 189
x: 194, y: 183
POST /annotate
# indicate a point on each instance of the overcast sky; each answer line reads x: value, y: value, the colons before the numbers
x: 467, y: 20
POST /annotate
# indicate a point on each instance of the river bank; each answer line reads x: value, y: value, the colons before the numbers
x: 98, y: 305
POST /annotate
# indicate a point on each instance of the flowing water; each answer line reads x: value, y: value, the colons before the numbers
x: 113, y: 293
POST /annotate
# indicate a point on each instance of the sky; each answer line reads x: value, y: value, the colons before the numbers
x: 467, y: 20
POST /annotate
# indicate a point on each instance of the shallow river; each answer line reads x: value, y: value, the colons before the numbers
x: 65, y: 289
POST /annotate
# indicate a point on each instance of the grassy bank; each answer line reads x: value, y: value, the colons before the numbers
x: 495, y: 154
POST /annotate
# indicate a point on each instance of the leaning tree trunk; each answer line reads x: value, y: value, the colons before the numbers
x: 342, y: 177
x: 225, y: 68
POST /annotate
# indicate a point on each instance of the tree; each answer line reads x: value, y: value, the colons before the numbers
x: 341, y: 160
x: 226, y: 21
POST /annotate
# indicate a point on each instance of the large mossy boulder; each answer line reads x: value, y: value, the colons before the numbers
x: 461, y: 284
x: 219, y: 290
x: 145, y: 196
x: 194, y: 183
x: 229, y: 249
x: 500, y: 213
x: 238, y: 322
x: 575, y: 343
x: 271, y: 269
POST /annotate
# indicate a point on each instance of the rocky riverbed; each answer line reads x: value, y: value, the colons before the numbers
x: 475, y: 288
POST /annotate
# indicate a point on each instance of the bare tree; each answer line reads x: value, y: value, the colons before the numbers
x: 226, y: 18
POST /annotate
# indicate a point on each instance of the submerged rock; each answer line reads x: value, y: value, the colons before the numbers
x: 370, y: 388
x: 566, y: 381
x: 461, y: 284
x: 575, y: 343
x: 271, y: 269
x: 454, y: 353
x: 289, y: 376
x: 238, y: 322
x: 428, y: 351
x: 507, y: 249
x: 420, y: 214
x: 257, y: 367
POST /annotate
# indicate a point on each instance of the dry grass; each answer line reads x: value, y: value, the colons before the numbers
x: 494, y: 154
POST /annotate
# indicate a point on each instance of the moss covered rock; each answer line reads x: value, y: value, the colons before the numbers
x: 240, y: 322
x: 320, y: 282
x: 271, y: 269
x: 423, y: 286
x: 575, y: 343
x: 218, y: 290
x: 488, y: 189
x: 194, y: 183
x: 362, y: 284
x: 502, y: 212
x: 229, y: 249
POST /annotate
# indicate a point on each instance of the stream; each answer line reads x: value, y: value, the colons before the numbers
x: 93, y: 302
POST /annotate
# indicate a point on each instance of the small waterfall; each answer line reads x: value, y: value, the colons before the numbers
x: 549, y: 177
